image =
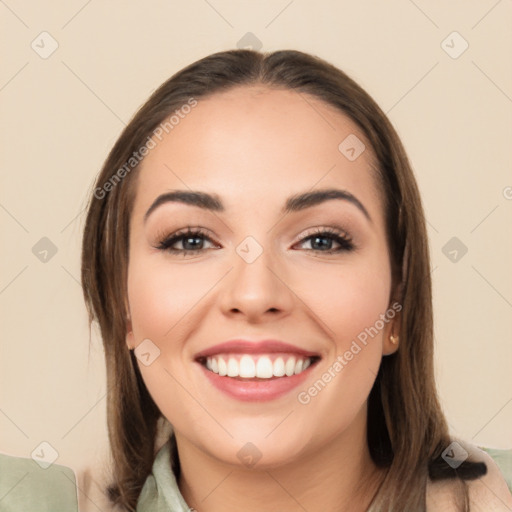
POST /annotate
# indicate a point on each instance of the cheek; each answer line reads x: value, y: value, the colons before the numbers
x: 350, y: 302
x: 163, y: 299
x: 348, y: 299
x: 162, y: 295
x: 364, y: 298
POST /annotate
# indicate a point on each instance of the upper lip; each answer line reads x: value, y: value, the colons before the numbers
x: 240, y: 346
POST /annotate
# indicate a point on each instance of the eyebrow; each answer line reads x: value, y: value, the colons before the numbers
x: 295, y: 203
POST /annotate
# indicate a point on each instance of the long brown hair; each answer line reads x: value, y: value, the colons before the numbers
x: 407, y: 431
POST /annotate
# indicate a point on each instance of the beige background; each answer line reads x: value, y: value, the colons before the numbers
x: 61, y: 114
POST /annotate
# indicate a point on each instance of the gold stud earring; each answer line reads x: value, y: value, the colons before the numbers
x: 128, y: 345
x: 394, y: 339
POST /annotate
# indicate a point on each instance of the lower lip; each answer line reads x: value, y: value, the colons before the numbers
x: 256, y: 390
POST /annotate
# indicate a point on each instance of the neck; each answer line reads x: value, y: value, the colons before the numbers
x: 337, y: 477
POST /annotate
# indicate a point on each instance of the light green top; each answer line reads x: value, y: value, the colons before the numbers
x: 503, y: 459
x: 160, y: 492
x: 26, y: 486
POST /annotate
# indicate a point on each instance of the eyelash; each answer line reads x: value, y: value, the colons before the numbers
x: 343, y: 239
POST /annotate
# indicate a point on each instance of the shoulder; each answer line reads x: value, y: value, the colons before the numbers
x: 488, y: 493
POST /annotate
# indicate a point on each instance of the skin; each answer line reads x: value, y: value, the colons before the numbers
x: 255, y: 147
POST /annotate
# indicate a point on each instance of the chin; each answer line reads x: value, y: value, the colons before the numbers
x: 250, y: 448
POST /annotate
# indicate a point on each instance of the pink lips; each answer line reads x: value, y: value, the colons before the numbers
x: 253, y: 347
x: 254, y: 390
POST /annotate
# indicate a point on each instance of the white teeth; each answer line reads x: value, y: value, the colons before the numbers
x: 264, y: 368
x: 261, y: 367
x: 279, y: 367
x: 247, y: 367
x: 223, y: 368
x: 232, y: 367
x: 290, y: 367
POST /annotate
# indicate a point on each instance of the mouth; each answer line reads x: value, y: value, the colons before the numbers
x: 256, y: 371
x: 253, y: 367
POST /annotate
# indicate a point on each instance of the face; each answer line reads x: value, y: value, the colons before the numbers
x: 262, y: 316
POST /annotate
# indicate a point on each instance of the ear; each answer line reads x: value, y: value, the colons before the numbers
x: 391, y: 332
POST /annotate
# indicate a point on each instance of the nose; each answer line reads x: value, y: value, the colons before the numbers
x: 257, y: 291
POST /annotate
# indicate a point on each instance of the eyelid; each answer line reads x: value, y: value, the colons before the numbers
x: 326, y: 230
x: 339, y: 235
x: 163, y: 240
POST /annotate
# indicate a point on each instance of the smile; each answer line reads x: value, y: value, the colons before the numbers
x: 256, y: 370
x: 250, y: 366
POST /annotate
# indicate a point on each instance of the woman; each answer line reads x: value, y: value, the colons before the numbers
x: 255, y: 254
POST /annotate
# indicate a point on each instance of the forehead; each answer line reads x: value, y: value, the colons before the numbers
x: 259, y: 142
